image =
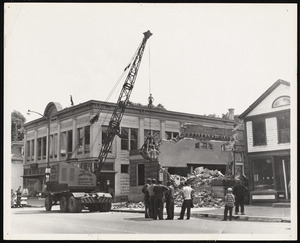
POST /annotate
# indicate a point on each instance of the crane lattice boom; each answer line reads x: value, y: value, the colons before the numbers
x: 114, y: 123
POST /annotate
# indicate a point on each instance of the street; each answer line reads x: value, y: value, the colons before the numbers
x: 32, y: 221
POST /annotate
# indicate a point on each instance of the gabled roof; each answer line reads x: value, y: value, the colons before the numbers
x: 263, y: 96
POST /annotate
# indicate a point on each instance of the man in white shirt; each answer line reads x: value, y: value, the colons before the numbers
x: 187, y: 193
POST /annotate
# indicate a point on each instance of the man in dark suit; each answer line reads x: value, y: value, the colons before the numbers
x: 239, y: 191
x: 170, y: 201
x: 159, y: 191
x: 147, y: 198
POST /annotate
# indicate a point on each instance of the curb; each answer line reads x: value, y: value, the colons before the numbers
x: 218, y: 216
x: 244, y: 218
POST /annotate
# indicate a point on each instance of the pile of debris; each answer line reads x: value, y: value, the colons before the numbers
x: 200, y: 180
x: 128, y: 205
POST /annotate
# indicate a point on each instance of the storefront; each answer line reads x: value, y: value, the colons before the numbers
x: 270, y: 177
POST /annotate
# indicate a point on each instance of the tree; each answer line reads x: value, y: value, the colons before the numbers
x: 17, y: 129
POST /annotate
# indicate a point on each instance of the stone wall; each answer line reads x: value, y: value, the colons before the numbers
x: 124, y: 186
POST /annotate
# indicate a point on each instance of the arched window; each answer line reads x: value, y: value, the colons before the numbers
x: 281, y: 101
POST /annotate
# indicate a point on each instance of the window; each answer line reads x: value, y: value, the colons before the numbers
x: 281, y: 101
x: 53, y: 146
x: 39, y: 148
x: 155, y: 134
x: 83, y: 140
x: 171, y: 135
x: 283, y: 124
x: 263, y: 174
x: 133, y: 139
x: 69, y: 141
x: 87, y: 133
x: 129, y: 138
x: 124, y: 168
x: 66, y: 143
x: 28, y: 150
x: 32, y: 149
x: 203, y: 145
x: 141, y: 174
x: 259, y: 132
x: 124, y: 138
x: 238, y: 157
x: 104, y: 135
x: 44, y: 147
x: 80, y: 134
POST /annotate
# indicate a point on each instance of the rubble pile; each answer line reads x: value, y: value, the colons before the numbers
x: 128, y: 205
x: 200, y: 180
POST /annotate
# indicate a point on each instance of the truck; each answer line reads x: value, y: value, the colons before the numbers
x: 74, y: 188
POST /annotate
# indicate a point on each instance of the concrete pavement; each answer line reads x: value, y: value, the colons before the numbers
x: 252, y: 213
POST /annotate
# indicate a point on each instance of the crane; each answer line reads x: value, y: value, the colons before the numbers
x: 123, y: 100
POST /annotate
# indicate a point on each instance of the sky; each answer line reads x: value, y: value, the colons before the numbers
x: 201, y: 59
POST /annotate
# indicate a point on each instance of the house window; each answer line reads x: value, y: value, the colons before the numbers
x: 125, y: 169
x: 283, y: 124
x: 141, y: 174
x: 259, y: 132
x: 129, y: 138
x: 281, y: 101
x: 263, y: 174
x: 83, y: 140
x: 171, y: 135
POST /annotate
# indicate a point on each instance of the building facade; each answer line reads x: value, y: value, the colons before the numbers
x: 72, y: 134
x: 16, y: 164
x: 212, y: 146
x: 267, y: 124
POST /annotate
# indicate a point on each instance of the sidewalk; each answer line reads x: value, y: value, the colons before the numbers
x: 252, y: 213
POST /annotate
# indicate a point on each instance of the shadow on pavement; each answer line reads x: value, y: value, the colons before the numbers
x: 139, y: 219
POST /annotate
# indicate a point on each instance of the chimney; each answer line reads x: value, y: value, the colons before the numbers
x: 231, y: 114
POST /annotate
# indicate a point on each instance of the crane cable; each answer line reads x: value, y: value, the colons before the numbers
x: 150, y: 90
x: 108, y: 97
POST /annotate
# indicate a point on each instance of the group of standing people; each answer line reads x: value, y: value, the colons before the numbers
x: 155, y: 194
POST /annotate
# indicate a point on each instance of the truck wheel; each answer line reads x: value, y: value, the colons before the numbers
x: 108, y: 207
x: 74, y: 205
x: 48, y: 203
x: 63, y: 204
x: 93, y: 208
x: 101, y: 207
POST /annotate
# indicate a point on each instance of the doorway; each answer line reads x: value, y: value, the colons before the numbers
x: 282, y: 174
x: 107, y: 183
